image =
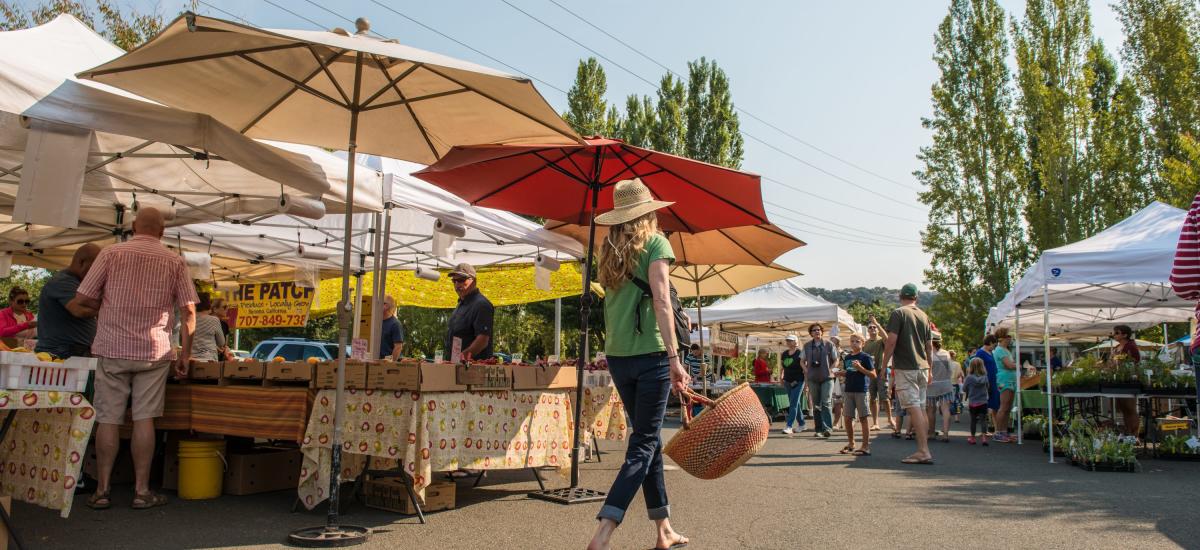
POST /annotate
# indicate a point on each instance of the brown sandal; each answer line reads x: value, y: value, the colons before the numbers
x: 99, y: 501
x: 148, y: 500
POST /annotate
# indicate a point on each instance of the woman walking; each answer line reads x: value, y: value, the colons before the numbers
x: 941, y: 389
x: 793, y: 380
x: 640, y: 348
x: 819, y: 360
x: 1006, y: 383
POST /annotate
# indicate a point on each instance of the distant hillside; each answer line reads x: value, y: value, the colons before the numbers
x: 846, y: 296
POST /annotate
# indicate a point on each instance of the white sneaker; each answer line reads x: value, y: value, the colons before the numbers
x: 788, y: 431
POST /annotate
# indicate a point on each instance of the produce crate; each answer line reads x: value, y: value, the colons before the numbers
x: 262, y: 470
x: 391, y: 495
x: 325, y: 376
x: 206, y: 370
x: 290, y: 371
x: 394, y: 376
x: 244, y: 370
x: 440, y: 377
x: 481, y: 377
x: 70, y: 375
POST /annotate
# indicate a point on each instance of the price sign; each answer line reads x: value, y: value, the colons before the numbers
x: 358, y: 349
x: 724, y: 345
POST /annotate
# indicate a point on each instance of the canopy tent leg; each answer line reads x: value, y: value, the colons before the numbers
x: 1049, y: 378
x: 376, y: 331
x: 558, y: 327
x: 1020, y: 410
x: 700, y: 324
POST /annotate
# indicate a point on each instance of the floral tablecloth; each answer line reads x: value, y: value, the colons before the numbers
x: 42, y: 454
x: 603, y: 410
x: 434, y: 432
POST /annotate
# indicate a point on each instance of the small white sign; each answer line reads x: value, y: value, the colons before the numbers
x: 358, y: 349
x: 552, y: 359
x: 439, y: 356
x: 456, y: 350
x: 516, y: 357
x: 1193, y: 443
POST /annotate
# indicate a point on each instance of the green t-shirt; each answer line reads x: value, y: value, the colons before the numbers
x: 874, y: 348
x: 911, y: 327
x: 621, y: 339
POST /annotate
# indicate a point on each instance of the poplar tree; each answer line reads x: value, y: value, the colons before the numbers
x: 587, y: 110
x: 974, y: 236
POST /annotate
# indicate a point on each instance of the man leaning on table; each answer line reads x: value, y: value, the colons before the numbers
x: 471, y: 322
x: 135, y: 286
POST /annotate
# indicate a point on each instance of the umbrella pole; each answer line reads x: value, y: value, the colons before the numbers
x: 575, y: 494
x: 333, y: 533
x: 700, y: 323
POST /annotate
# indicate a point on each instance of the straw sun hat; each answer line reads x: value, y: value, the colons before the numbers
x: 631, y: 200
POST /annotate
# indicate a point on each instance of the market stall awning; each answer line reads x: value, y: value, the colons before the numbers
x: 1117, y: 276
x: 56, y: 132
x: 778, y: 307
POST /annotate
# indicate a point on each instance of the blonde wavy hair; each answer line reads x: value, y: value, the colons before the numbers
x: 620, y: 251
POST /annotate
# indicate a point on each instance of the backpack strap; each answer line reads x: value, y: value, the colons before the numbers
x: 637, y: 309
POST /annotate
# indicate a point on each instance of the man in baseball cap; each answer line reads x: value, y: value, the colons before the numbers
x: 909, y: 347
x: 471, y: 321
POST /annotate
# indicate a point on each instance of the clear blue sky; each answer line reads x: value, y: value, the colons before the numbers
x: 850, y: 78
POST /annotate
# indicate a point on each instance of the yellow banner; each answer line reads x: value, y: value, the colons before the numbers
x: 505, y: 285
x: 269, y: 305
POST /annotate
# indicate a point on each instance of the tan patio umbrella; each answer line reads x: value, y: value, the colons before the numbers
x: 318, y: 88
x: 745, y: 245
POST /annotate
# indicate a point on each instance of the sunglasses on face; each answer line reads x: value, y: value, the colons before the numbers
x: 22, y: 301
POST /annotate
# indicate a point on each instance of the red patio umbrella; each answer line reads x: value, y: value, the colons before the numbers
x: 574, y: 183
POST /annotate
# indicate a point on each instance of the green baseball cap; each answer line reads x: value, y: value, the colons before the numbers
x: 908, y: 291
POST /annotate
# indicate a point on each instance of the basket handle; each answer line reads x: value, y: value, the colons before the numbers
x: 686, y: 397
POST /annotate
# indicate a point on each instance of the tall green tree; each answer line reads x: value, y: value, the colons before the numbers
x: 639, y: 122
x: 1052, y: 44
x: 670, y: 128
x: 713, y: 130
x: 127, y: 29
x: 1162, y: 52
x: 587, y: 111
x: 975, y: 235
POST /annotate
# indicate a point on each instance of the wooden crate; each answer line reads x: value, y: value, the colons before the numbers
x: 206, y: 370
x: 290, y: 371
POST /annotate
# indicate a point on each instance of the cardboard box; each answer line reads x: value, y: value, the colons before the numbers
x: 442, y: 377
x: 543, y: 377
x: 290, y: 371
x: 557, y: 377
x: 393, y: 376
x: 391, y: 495
x: 244, y: 370
x: 207, y: 370
x: 262, y: 470
x: 325, y: 376
x: 1173, y: 426
x: 122, y: 473
x: 482, y: 377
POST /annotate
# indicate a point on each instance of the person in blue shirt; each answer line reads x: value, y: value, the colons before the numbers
x: 391, y: 338
x: 1055, y: 361
x: 858, y: 370
x: 989, y: 363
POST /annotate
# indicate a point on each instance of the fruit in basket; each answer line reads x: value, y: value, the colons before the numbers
x: 20, y: 349
x: 45, y: 357
x: 313, y: 360
x: 278, y: 359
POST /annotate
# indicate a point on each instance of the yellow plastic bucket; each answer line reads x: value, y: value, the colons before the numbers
x: 201, y: 468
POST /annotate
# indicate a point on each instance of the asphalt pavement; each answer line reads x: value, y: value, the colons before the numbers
x: 798, y: 492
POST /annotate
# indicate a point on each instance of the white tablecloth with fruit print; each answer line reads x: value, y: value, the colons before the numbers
x: 42, y: 453
x: 435, y: 432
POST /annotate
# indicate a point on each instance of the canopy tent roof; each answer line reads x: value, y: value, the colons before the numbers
x: 269, y: 249
x: 1110, y: 344
x: 142, y: 152
x: 1117, y: 276
x: 778, y: 307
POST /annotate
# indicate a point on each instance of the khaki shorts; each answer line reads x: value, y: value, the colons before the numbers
x: 856, y: 402
x: 119, y: 379
x: 910, y: 387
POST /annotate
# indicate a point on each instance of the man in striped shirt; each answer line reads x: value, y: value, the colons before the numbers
x: 136, y: 286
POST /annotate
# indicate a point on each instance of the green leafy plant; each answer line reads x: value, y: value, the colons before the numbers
x: 1090, y: 445
x: 1177, y: 445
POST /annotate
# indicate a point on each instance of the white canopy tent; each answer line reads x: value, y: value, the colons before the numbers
x: 778, y: 307
x: 80, y: 155
x: 1119, y: 276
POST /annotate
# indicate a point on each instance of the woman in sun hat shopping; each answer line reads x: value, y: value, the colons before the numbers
x: 642, y: 354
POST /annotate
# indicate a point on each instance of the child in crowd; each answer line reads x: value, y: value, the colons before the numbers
x: 837, y: 383
x: 858, y: 369
x: 976, y: 385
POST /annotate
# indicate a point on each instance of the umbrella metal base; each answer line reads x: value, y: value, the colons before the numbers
x: 569, y: 495
x: 329, y: 537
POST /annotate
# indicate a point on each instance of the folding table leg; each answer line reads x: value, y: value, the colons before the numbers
x: 412, y: 496
x: 479, y: 478
x: 596, y: 447
x: 538, y: 477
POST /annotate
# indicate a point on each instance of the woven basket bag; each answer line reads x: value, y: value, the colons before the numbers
x: 723, y: 436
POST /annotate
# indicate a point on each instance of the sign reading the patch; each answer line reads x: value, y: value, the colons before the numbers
x: 270, y: 305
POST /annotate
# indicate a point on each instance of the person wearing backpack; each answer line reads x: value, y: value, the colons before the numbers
x: 642, y: 352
